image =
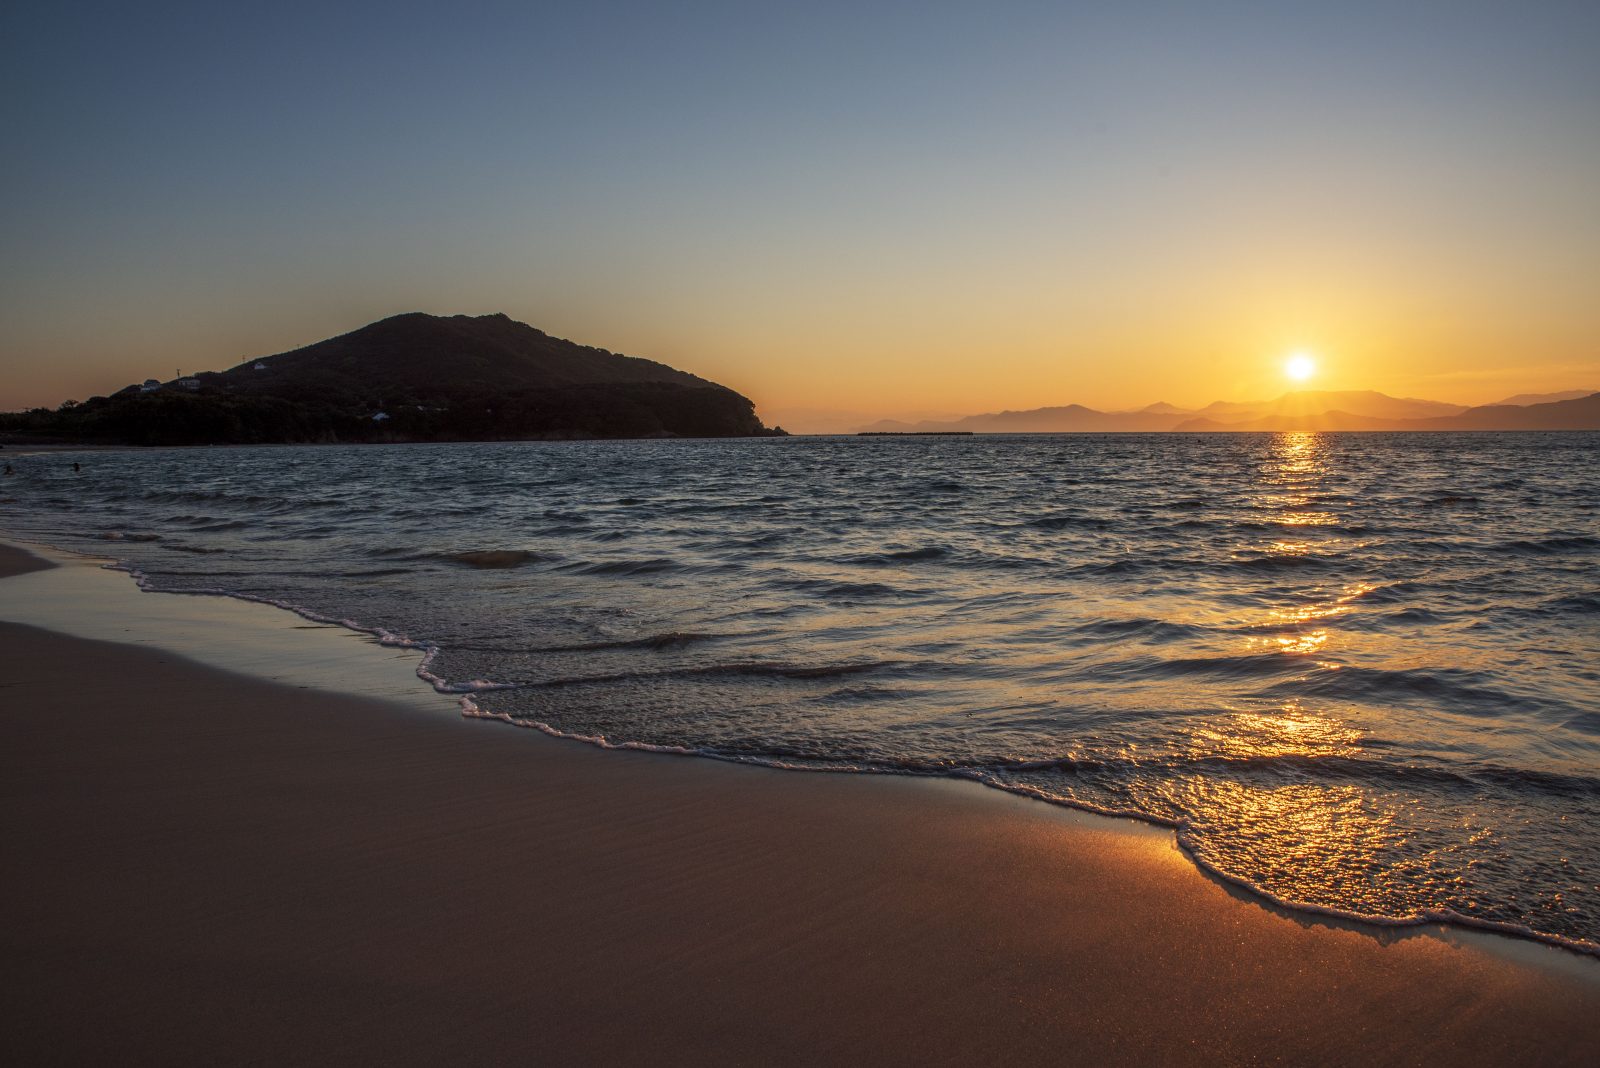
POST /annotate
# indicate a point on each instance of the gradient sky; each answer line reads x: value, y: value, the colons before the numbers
x: 877, y: 208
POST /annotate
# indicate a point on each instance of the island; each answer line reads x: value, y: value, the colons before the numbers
x: 411, y: 377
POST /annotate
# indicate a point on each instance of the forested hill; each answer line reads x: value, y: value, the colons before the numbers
x: 412, y: 377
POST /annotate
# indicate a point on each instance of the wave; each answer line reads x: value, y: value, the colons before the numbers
x: 1275, y: 562
x: 491, y: 559
x: 1468, y: 779
x: 1142, y: 627
x: 1254, y: 666
x: 844, y: 591
x: 667, y: 640
x: 1453, y: 690
x: 741, y: 669
x: 1584, y: 603
x: 892, y: 558
x: 1066, y: 521
x: 478, y: 559
x: 1551, y: 546
x: 627, y: 568
x: 1391, y: 593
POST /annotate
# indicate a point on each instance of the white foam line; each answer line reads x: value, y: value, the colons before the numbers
x: 430, y: 650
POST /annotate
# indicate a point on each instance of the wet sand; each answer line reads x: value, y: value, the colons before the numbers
x: 204, y: 865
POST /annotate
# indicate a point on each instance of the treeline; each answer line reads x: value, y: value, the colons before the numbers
x: 216, y: 416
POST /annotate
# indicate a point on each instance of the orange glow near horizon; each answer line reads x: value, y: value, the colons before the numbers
x: 948, y: 359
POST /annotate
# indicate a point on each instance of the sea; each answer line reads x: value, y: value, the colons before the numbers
x: 1358, y: 674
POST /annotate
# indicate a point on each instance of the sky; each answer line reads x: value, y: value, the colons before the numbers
x: 883, y: 209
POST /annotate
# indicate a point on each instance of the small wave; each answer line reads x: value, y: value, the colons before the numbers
x: 656, y: 566
x: 672, y: 639
x: 1066, y: 520
x: 845, y: 591
x: 1393, y: 593
x: 1159, y: 629
x: 1587, y: 603
x: 747, y: 669
x: 1550, y: 546
x: 1259, y: 666
x: 1270, y: 563
x: 896, y: 557
x: 1332, y: 766
x: 1410, y: 616
x: 1124, y: 566
x: 866, y: 694
x: 121, y: 535
x: 491, y: 559
x: 1454, y: 689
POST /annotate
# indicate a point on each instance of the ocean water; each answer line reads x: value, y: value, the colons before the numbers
x: 1357, y: 672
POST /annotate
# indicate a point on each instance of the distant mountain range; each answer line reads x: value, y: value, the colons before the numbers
x: 411, y: 377
x: 1304, y: 410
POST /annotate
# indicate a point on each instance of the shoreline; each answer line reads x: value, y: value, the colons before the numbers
x: 461, y: 697
x: 333, y: 845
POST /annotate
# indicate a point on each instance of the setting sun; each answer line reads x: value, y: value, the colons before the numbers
x: 1300, y: 366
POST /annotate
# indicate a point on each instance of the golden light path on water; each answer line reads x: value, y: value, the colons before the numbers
x: 1327, y: 841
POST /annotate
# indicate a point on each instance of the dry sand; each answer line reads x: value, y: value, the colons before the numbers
x: 203, y: 866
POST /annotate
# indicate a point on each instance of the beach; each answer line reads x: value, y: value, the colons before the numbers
x: 207, y: 864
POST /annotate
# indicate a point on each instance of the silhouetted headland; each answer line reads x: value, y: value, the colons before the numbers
x: 412, y: 377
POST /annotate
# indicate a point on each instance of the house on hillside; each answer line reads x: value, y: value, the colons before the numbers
x: 150, y: 385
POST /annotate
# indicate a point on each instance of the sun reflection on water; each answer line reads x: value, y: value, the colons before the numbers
x: 1315, y: 825
x: 1290, y: 730
x: 1299, y: 644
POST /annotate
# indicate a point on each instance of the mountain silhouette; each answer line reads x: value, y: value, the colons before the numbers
x: 1524, y: 399
x: 1581, y: 413
x: 412, y: 377
x: 1300, y: 410
x: 1307, y: 403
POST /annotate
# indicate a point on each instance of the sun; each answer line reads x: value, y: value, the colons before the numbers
x: 1300, y: 366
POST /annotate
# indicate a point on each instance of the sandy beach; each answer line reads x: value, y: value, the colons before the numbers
x: 208, y: 865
